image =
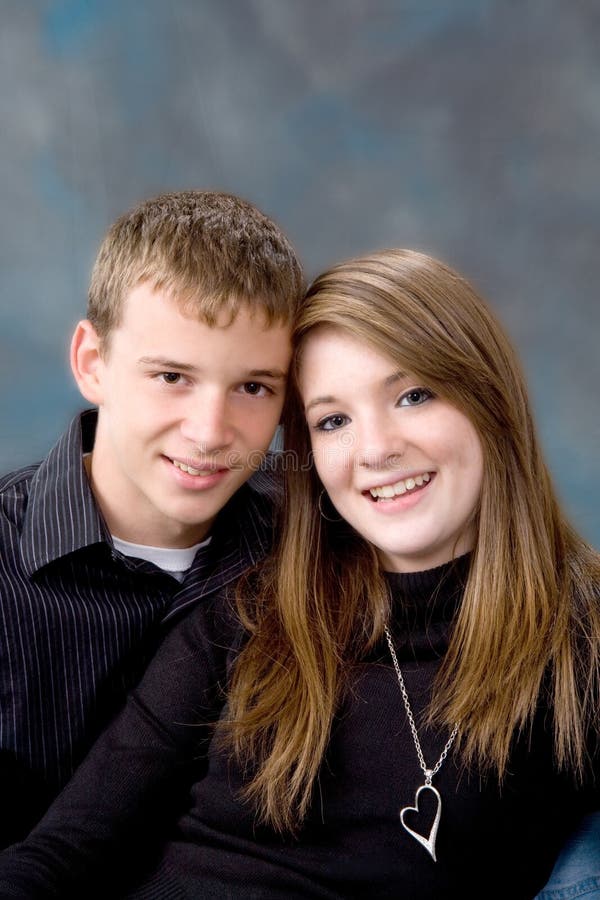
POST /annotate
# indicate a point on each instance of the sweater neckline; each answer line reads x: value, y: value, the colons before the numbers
x: 420, y: 600
x: 452, y: 574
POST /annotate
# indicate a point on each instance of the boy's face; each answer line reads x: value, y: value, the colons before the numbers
x: 185, y: 413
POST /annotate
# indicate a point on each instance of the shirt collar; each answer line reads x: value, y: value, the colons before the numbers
x: 242, y: 536
x: 62, y: 515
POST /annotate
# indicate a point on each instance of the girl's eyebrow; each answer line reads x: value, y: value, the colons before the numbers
x: 396, y: 376
x: 319, y: 400
x: 329, y: 398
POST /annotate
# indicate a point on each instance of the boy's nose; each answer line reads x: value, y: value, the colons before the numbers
x: 207, y: 425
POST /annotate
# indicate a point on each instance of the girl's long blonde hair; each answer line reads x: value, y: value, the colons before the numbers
x: 530, y: 607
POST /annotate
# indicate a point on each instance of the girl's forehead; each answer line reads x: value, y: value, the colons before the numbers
x: 332, y: 352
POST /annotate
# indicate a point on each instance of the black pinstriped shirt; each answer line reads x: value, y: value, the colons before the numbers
x: 79, y: 621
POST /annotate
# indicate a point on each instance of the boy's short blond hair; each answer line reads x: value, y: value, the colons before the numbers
x: 212, y: 251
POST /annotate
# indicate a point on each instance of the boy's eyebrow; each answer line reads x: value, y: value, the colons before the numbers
x: 277, y: 374
x: 171, y: 365
x: 165, y: 363
x: 329, y: 398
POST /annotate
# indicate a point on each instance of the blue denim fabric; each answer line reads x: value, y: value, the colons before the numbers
x: 577, y: 870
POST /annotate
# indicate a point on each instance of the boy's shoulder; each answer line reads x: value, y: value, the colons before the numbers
x: 52, y: 478
x: 15, y: 487
x: 40, y: 485
x: 15, y: 492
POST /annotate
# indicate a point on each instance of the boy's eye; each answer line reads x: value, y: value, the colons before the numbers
x: 415, y: 397
x: 171, y: 377
x: 331, y: 423
x: 255, y: 388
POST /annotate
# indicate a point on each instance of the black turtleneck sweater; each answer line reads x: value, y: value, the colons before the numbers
x: 491, y: 842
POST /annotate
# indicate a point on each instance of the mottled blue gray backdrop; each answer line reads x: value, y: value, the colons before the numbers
x: 466, y: 128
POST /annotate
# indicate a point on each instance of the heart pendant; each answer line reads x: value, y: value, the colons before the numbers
x: 429, y: 841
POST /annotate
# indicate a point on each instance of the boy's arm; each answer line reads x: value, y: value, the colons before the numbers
x: 115, y: 795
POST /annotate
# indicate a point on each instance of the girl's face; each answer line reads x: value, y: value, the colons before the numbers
x: 402, y: 466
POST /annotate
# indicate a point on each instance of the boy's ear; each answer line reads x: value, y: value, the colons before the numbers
x: 86, y: 361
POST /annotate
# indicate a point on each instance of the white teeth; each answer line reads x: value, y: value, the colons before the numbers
x: 387, y: 491
x: 190, y: 470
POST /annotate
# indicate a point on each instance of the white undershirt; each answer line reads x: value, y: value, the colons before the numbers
x: 174, y: 561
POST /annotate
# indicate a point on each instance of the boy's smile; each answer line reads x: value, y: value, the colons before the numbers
x: 186, y: 412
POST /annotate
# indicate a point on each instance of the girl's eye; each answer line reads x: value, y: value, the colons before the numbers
x: 415, y: 397
x: 332, y: 423
x: 170, y: 377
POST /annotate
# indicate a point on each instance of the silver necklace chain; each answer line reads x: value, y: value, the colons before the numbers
x: 429, y: 773
x: 427, y: 840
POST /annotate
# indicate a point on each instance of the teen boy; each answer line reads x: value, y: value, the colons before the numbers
x: 142, y: 508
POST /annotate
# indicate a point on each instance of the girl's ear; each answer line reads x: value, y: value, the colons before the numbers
x: 86, y: 361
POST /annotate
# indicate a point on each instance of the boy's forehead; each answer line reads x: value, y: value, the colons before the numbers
x: 155, y: 332
x: 146, y: 298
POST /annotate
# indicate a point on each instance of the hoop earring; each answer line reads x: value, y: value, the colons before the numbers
x: 322, y: 514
